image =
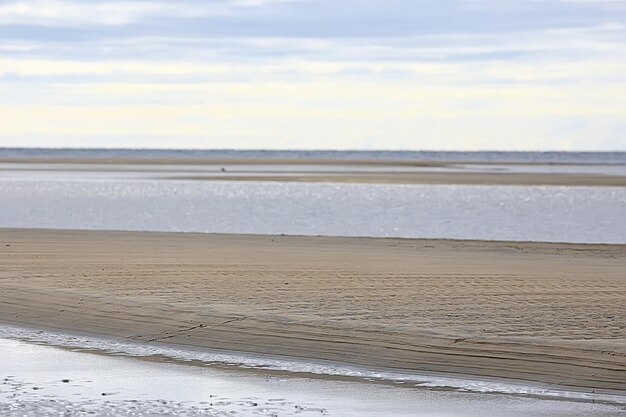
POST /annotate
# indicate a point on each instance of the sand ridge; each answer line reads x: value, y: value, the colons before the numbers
x: 354, y: 171
x: 540, y: 312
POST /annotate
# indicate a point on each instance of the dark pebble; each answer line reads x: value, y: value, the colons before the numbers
x: 65, y: 381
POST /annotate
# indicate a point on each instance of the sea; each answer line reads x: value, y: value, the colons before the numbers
x: 166, y: 198
x: 474, y: 156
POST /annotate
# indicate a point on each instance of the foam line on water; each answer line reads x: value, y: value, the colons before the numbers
x: 186, y: 354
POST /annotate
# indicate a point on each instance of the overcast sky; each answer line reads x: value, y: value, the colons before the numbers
x: 314, y: 74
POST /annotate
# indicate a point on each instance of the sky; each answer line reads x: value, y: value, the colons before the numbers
x: 314, y: 74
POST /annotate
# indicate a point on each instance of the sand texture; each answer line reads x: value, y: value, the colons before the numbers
x: 550, y: 313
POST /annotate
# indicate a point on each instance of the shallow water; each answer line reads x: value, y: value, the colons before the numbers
x: 520, y: 213
x: 475, y: 156
x: 43, y: 380
x: 242, y: 360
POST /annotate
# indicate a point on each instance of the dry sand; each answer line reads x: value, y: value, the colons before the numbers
x: 550, y: 313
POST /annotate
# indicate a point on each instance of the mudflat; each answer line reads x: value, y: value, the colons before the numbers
x: 541, y: 312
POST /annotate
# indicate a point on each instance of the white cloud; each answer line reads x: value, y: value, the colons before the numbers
x: 84, y: 13
x: 263, y: 3
x: 117, y: 12
x: 296, y: 70
x: 448, y: 86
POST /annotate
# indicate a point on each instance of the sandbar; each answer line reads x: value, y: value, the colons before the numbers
x: 325, y: 170
x: 541, y: 312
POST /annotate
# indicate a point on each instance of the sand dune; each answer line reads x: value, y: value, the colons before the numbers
x: 551, y: 313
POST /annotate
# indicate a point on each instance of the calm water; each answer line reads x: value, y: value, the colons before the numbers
x: 484, y: 156
x: 533, y: 213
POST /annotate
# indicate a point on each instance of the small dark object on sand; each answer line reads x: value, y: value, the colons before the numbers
x: 65, y: 381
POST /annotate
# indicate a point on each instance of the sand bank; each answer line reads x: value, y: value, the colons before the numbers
x: 549, y: 313
x: 326, y: 170
x: 434, y: 178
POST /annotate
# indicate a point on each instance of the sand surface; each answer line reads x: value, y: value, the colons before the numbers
x: 551, y: 313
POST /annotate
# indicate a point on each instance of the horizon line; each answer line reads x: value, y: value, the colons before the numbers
x: 100, y: 148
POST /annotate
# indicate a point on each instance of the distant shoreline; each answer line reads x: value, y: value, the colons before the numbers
x: 452, y: 172
x: 185, y: 160
x: 542, y: 157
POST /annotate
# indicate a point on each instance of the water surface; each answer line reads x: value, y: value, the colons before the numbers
x: 519, y: 213
x: 476, y: 156
x: 46, y: 381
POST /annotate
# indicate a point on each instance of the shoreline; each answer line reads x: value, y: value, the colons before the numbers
x: 310, y: 368
x: 187, y: 160
x: 274, y: 161
x: 93, y: 381
x: 361, y: 301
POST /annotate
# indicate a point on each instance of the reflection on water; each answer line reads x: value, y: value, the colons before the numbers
x: 40, y: 380
x: 521, y: 213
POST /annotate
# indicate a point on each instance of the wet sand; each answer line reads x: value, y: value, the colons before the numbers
x: 549, y: 313
x: 364, y: 171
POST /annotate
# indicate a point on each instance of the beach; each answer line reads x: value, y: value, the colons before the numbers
x: 549, y: 313
x: 244, y: 208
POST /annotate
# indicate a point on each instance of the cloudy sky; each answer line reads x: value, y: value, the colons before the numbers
x: 314, y: 74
